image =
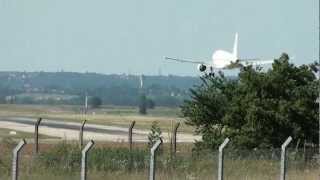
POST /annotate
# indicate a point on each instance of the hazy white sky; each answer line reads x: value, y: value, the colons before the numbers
x: 134, y: 35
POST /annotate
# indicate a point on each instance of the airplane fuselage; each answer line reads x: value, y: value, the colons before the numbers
x: 222, y: 59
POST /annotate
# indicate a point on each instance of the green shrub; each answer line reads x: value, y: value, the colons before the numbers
x: 66, y: 158
x: 61, y: 158
x: 118, y: 159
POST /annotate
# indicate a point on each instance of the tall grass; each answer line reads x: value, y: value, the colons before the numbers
x: 62, y: 162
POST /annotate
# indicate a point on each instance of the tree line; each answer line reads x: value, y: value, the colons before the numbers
x: 111, y: 89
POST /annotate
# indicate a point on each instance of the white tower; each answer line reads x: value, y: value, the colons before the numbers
x: 141, y: 81
x: 86, y: 104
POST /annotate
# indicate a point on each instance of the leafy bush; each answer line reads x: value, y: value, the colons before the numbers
x: 61, y: 158
x: 143, y: 104
x: 66, y: 158
x: 95, y: 102
x: 7, y: 144
x: 259, y: 110
x: 155, y: 134
x: 118, y: 159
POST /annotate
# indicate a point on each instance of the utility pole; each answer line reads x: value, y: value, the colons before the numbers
x: 319, y: 79
x: 141, y: 82
x: 86, y: 104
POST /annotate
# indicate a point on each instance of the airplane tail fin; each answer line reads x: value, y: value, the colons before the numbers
x: 235, y: 46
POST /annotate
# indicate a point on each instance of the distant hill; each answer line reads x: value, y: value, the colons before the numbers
x: 42, y: 87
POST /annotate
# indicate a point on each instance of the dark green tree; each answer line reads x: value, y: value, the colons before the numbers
x: 260, y: 109
x: 150, y: 104
x: 143, y: 104
x: 95, y: 102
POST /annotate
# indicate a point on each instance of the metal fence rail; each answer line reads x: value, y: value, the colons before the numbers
x: 130, y: 134
x: 36, y: 136
x: 153, y: 156
x: 152, y: 165
x: 81, y: 134
x: 283, y: 162
x: 15, y: 159
x: 84, y: 156
x: 221, y: 158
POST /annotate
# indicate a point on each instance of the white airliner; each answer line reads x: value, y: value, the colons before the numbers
x: 222, y: 59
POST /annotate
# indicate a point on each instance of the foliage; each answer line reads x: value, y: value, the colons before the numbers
x: 155, y: 134
x: 95, y: 102
x: 143, y: 104
x: 6, y: 144
x: 260, y: 109
x: 118, y: 159
x: 66, y: 158
x: 150, y: 103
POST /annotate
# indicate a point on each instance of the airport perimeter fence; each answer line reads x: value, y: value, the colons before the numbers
x: 98, y: 161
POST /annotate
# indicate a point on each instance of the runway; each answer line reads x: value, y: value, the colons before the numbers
x: 70, y: 130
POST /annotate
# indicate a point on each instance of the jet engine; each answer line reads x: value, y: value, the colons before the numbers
x: 202, y: 67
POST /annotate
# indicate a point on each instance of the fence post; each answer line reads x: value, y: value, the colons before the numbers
x: 174, y: 140
x: 84, y: 160
x: 36, y: 136
x: 130, y: 134
x: 81, y: 133
x: 284, y: 158
x: 153, y: 159
x: 15, y: 160
x: 221, y: 158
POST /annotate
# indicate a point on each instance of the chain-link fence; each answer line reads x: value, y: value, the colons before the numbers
x: 62, y: 161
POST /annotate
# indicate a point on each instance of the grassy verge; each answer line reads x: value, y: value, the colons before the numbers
x: 114, y: 161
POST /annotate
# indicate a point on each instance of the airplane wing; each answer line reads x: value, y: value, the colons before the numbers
x: 184, y: 60
x: 255, y: 62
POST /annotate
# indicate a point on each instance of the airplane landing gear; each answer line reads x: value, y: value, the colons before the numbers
x: 211, y: 73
